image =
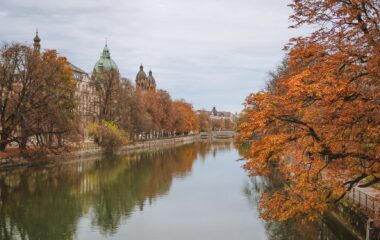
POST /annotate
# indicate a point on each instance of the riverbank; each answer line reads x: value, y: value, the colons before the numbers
x: 351, y: 216
x: 89, y: 151
x: 355, y: 219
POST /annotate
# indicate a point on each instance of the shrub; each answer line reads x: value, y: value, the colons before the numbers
x: 108, y: 135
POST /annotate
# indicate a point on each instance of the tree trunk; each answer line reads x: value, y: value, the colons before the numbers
x: 3, y: 141
x: 3, y: 145
x: 22, y: 143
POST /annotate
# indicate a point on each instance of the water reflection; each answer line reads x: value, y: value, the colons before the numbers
x: 325, y: 229
x: 48, y: 203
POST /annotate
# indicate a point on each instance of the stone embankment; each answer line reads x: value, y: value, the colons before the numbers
x: 89, y: 150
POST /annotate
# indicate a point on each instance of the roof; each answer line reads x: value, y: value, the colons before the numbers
x: 77, y: 69
x: 151, y: 78
x: 141, y: 75
x: 105, y: 62
x: 37, y: 38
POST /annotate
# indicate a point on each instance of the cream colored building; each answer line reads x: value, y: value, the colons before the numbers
x: 85, y: 95
x: 218, y: 115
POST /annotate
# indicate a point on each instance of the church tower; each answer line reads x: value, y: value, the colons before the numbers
x: 151, y: 81
x: 144, y: 82
x: 141, y: 79
x: 36, y: 44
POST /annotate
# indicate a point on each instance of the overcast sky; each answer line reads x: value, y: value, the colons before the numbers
x: 209, y: 52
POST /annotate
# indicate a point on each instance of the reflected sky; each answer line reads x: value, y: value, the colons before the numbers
x: 196, y: 191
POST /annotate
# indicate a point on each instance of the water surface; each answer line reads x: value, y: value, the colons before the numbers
x: 196, y: 191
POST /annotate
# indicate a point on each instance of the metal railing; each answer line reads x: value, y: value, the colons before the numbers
x: 370, y: 204
x: 91, y: 145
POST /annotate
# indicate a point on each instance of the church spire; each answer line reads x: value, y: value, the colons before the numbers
x: 36, y: 44
x: 106, y: 51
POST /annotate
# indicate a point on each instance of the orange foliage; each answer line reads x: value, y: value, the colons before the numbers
x: 319, y: 127
x: 37, y: 100
x: 185, y: 119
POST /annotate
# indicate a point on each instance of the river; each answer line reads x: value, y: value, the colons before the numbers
x: 195, y: 191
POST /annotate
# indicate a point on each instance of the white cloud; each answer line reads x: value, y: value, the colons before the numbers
x: 210, y: 52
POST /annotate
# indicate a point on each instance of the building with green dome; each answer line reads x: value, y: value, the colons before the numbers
x: 105, y: 62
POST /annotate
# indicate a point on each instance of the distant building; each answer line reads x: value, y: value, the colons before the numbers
x: 36, y: 43
x: 85, y: 93
x: 105, y: 62
x: 216, y: 115
x: 144, y: 82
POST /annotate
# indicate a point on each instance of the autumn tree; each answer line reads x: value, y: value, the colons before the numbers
x: 166, y: 104
x: 319, y: 124
x: 142, y: 121
x: 185, y: 119
x: 204, y: 122
x: 155, y: 111
x: 137, y: 112
x: 217, y: 124
x: 36, y: 98
x: 154, y: 108
x: 130, y: 109
x: 229, y: 124
x: 276, y: 75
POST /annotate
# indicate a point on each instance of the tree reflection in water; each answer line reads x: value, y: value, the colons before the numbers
x: 325, y: 229
x: 47, y: 203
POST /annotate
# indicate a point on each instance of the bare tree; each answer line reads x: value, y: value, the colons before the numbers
x: 108, y: 88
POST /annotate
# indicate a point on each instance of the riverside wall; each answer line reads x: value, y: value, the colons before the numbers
x: 357, y: 221
x: 91, y: 151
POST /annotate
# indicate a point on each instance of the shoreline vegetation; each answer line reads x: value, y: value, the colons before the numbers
x: 348, y: 219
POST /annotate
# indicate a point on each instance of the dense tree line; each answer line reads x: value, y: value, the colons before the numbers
x: 38, y: 105
x: 126, y: 114
x: 318, y: 122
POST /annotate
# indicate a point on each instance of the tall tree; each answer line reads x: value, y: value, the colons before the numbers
x: 204, y: 122
x: 108, y: 88
x: 319, y: 124
x: 36, y: 98
x: 166, y: 104
x: 185, y: 120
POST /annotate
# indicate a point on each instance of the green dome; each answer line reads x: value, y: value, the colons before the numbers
x: 105, y: 62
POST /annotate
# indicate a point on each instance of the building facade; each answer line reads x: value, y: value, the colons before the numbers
x: 218, y: 115
x: 85, y: 94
